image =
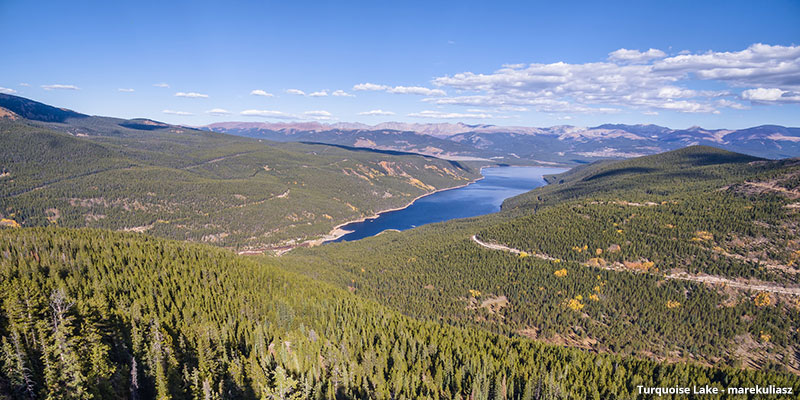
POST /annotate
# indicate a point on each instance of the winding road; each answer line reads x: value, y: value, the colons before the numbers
x: 709, y: 279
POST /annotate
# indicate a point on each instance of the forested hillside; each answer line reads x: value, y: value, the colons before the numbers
x: 698, y: 209
x: 181, y: 183
x: 610, y: 257
x: 691, y: 169
x: 97, y: 314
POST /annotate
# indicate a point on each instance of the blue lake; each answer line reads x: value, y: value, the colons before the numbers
x: 482, y: 197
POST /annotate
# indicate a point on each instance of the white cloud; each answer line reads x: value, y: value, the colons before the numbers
x: 376, y: 112
x: 672, y: 92
x: 731, y: 104
x: 650, y: 112
x: 59, y: 86
x: 450, y: 115
x: 24, y: 84
x: 687, y: 106
x: 7, y: 90
x: 125, y: 90
x: 762, y: 94
x: 192, y: 95
x: 319, y: 93
x: 318, y: 115
x: 400, y: 89
x: 259, y: 92
x: 267, y: 114
x: 369, y: 86
x: 772, y: 95
x: 645, y: 81
x: 218, y: 111
x: 758, y: 65
x: 342, y: 93
x: 510, y: 103
x: 416, y: 90
x: 161, y: 85
x: 512, y: 108
x: 635, y: 56
x: 173, y: 112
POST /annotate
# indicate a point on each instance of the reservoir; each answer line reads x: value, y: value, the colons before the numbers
x: 478, y: 198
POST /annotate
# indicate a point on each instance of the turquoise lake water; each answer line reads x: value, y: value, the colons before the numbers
x: 482, y: 197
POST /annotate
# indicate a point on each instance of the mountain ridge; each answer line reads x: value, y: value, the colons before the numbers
x: 555, y: 145
x: 445, y: 129
x: 561, y: 144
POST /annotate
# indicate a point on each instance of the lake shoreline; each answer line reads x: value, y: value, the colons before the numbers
x: 338, y: 232
x: 497, y: 176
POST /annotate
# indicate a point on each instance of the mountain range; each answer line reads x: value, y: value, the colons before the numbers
x: 556, y: 145
x: 563, y: 144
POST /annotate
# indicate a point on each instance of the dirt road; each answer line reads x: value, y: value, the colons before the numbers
x: 707, y: 279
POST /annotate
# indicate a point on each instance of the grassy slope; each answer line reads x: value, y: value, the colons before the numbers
x: 436, y: 272
x: 201, y: 186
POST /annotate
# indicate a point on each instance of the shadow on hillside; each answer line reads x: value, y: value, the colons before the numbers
x: 455, y: 164
x: 36, y: 111
x: 620, y: 171
x: 700, y: 159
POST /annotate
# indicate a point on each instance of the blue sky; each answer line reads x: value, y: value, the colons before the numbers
x: 717, y: 64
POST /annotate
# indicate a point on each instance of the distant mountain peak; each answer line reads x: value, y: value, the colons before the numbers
x: 556, y: 145
x: 440, y: 129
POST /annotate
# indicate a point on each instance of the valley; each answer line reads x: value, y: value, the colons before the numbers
x: 377, y: 200
x: 120, y: 274
x: 192, y: 185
